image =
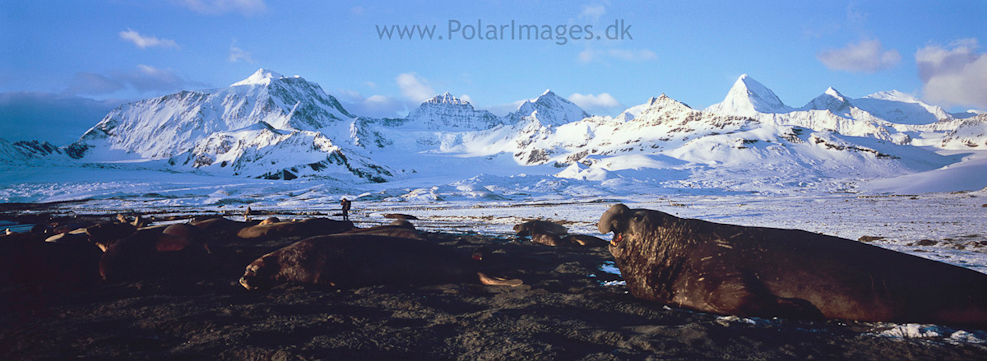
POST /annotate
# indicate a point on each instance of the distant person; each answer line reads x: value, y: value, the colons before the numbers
x: 346, y: 208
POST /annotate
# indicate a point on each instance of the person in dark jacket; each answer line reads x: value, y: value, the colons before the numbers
x: 346, y: 208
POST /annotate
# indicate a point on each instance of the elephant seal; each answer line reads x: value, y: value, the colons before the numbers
x: 29, y: 259
x: 270, y: 228
x: 219, y: 228
x: 770, y: 272
x: 270, y: 220
x: 390, y: 231
x: 546, y: 238
x: 542, y: 232
x: 348, y: 261
x: 403, y: 223
x: 105, y: 234
x: 157, y: 252
x: 585, y: 241
x: 531, y: 227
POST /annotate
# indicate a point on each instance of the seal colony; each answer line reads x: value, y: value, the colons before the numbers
x: 170, y: 306
x: 769, y: 272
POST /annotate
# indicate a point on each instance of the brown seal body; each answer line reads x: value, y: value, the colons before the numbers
x: 767, y: 272
x: 542, y: 232
x: 390, y: 231
x: 304, y: 228
x: 545, y: 238
x: 27, y: 258
x: 584, y: 241
x: 532, y: 227
x: 361, y: 260
x: 220, y: 229
x: 161, y: 252
x: 105, y: 234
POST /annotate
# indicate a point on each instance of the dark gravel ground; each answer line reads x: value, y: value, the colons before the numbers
x: 562, y: 312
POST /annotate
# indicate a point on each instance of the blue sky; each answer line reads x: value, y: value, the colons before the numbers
x: 56, y: 56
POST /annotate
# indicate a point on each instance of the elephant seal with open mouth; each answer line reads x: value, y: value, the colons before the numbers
x: 769, y: 272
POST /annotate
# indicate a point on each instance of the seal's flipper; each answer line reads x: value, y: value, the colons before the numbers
x: 498, y: 281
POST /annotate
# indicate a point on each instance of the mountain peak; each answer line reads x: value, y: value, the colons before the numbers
x: 902, y: 108
x: 831, y: 100
x: 893, y: 95
x: 446, y: 98
x: 748, y: 97
x: 663, y: 101
x: 261, y: 77
x: 445, y: 111
x: 549, y: 109
x: 834, y: 93
x: 548, y: 96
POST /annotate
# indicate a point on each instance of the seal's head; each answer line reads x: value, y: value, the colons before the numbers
x: 632, y: 228
x: 616, y: 220
x: 256, y: 275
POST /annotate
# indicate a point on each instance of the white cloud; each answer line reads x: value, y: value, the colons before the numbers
x: 601, y: 104
x: 93, y: 84
x: 377, y: 106
x: 57, y: 118
x: 414, y: 87
x: 145, y: 78
x: 148, y: 78
x: 866, y: 56
x: 854, y: 16
x: 237, y: 54
x: 592, y: 12
x: 216, y: 7
x: 590, y: 55
x: 146, y: 41
x: 955, y: 74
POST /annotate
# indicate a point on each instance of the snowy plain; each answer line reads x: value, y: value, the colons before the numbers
x: 946, y: 219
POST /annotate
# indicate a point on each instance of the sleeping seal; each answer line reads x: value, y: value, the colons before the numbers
x: 766, y: 272
x: 356, y: 260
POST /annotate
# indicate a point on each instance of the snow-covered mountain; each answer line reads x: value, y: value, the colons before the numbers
x: 664, y: 134
x: 21, y: 152
x: 446, y: 112
x: 272, y: 126
x: 267, y: 152
x: 266, y: 115
x: 747, y: 97
x: 900, y: 108
x: 10, y: 153
x: 970, y: 134
x: 549, y: 109
x: 891, y: 116
x: 166, y: 126
x: 833, y: 101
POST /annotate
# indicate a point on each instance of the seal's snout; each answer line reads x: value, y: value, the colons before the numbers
x: 612, y: 219
x: 245, y: 283
x: 251, y: 282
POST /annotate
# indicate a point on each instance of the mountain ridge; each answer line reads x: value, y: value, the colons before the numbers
x: 272, y: 126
